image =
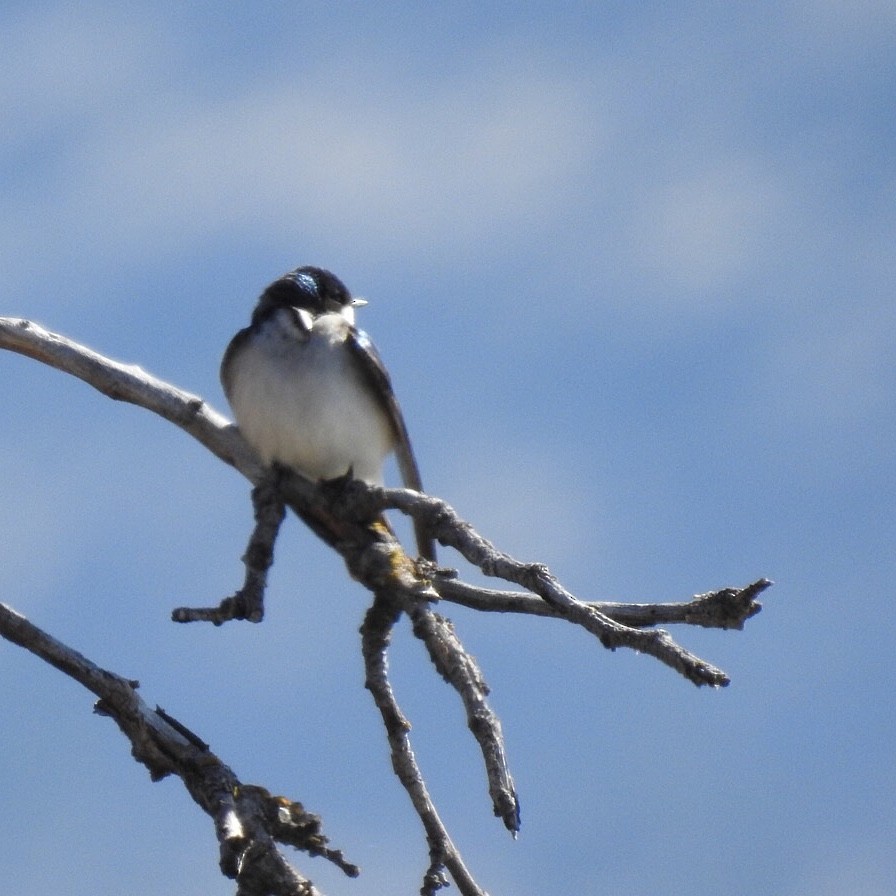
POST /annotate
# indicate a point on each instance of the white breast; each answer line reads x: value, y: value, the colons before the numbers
x: 301, y: 400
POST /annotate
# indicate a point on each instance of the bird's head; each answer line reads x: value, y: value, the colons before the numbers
x: 310, y: 290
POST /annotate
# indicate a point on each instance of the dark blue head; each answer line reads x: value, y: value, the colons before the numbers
x: 311, y: 289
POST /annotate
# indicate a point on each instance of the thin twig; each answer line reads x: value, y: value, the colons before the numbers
x: 461, y: 671
x: 376, y: 633
x: 727, y: 608
x: 248, y: 602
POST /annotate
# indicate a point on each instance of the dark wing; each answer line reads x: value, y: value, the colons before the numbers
x: 371, y: 363
x: 233, y: 349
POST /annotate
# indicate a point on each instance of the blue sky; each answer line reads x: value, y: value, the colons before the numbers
x: 632, y: 270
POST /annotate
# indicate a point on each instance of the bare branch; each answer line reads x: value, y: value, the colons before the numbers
x: 248, y: 602
x: 727, y: 608
x: 452, y: 531
x: 132, y: 384
x: 248, y: 819
x: 460, y: 670
x: 376, y: 633
x: 348, y: 515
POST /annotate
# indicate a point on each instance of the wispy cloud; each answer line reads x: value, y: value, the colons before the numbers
x: 139, y: 161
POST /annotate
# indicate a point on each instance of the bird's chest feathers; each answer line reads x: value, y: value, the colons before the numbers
x: 301, y: 399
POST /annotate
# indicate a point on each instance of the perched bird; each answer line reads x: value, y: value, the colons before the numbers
x: 308, y: 388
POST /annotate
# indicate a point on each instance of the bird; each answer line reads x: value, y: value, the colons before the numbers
x: 309, y: 390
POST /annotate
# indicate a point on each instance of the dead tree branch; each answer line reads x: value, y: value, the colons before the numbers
x: 248, y: 820
x: 348, y: 516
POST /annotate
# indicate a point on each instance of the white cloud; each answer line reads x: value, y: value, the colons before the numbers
x: 147, y: 164
x: 700, y: 232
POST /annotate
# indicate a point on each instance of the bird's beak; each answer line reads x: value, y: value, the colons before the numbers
x: 348, y: 311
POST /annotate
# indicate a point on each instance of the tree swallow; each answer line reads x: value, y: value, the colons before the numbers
x: 309, y: 391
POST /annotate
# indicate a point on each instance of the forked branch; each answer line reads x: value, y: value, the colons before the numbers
x: 348, y: 516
